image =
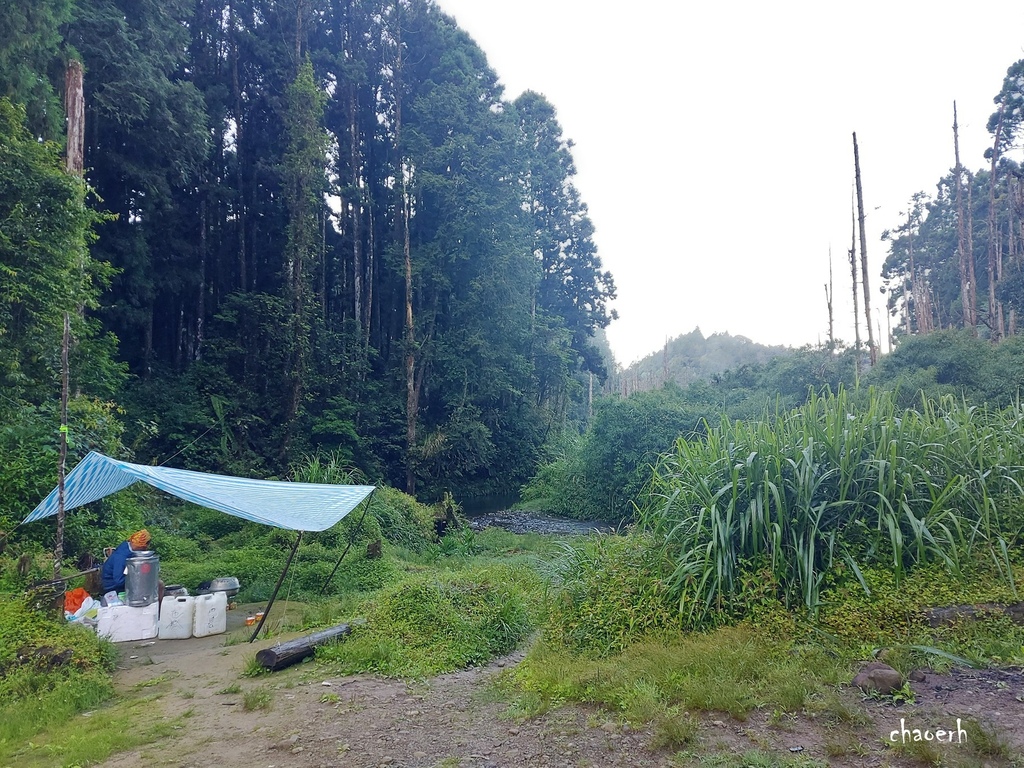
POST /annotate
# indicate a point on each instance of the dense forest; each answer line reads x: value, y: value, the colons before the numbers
x: 301, y: 225
x: 283, y: 227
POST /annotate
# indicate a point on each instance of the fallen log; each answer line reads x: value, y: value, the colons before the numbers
x: 285, y: 654
x: 938, y: 617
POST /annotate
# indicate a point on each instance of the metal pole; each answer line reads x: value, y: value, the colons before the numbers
x: 280, y: 581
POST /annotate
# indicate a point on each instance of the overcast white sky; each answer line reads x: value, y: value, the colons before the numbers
x: 713, y: 140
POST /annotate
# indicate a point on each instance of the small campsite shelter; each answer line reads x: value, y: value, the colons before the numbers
x: 282, y: 504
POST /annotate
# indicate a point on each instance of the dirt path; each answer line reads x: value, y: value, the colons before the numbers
x: 455, y: 721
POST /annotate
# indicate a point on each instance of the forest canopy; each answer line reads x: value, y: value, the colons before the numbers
x: 313, y: 225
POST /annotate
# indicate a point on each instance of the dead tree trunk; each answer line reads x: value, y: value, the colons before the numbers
x: 853, y: 278
x: 828, y: 302
x: 74, y: 105
x: 969, y: 310
x: 995, y: 319
x: 872, y: 351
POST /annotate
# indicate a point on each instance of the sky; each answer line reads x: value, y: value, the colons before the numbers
x: 713, y: 141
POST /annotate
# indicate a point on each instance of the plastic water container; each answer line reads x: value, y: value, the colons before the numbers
x: 177, y: 615
x: 211, y: 614
x: 142, y: 579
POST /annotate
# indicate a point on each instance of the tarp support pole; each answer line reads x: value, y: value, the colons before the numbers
x: 280, y: 581
x: 352, y: 538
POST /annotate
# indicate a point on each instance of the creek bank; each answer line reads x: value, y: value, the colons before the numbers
x: 518, y: 521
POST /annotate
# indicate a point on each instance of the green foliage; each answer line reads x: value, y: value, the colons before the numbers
x: 953, y: 363
x: 836, y: 485
x: 606, y: 593
x: 441, y: 622
x: 600, y: 475
x: 734, y: 669
x: 49, y: 670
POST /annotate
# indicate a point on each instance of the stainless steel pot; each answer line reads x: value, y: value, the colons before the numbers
x: 227, y: 584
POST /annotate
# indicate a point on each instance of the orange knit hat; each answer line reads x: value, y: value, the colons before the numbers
x: 139, y: 539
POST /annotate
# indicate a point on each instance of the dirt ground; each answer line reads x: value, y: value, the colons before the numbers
x: 317, y: 720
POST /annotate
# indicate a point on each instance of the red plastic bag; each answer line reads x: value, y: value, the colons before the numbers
x: 73, y: 600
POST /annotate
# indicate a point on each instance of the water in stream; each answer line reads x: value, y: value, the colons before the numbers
x: 497, y: 510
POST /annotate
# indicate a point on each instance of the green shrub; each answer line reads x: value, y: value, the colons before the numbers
x: 606, y: 592
x: 437, y: 623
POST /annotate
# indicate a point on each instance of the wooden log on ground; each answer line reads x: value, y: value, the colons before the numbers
x: 938, y: 617
x: 294, y: 651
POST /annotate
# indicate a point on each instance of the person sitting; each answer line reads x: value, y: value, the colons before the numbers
x: 112, y: 575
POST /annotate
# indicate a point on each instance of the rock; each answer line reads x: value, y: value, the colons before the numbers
x: 878, y: 678
x: 918, y: 676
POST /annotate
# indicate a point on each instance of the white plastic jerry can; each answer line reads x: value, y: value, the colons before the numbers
x: 211, y: 614
x: 177, y: 614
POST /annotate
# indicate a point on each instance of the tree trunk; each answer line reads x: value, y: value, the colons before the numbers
x: 853, y: 278
x: 74, y: 106
x: 969, y: 310
x: 994, y: 314
x: 828, y: 302
x: 356, y: 204
x: 972, y: 280
x: 240, y: 222
x: 411, y: 390
x: 872, y: 351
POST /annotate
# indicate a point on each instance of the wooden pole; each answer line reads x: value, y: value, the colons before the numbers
x: 277, y: 587
x: 58, y: 549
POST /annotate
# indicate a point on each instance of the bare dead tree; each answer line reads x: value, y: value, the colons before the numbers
x: 853, y: 278
x: 872, y: 351
x: 969, y: 308
x: 995, y: 318
x: 828, y: 302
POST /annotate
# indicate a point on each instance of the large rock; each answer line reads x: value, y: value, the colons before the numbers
x: 877, y: 677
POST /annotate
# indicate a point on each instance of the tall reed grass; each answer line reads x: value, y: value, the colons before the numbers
x: 839, y: 483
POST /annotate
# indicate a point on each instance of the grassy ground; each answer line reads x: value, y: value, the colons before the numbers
x: 599, y: 633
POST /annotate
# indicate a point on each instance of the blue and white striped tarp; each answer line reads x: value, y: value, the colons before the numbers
x: 295, y: 506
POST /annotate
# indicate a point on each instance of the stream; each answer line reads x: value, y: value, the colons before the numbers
x: 497, y: 510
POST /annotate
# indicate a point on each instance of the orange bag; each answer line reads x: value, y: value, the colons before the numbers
x: 73, y: 600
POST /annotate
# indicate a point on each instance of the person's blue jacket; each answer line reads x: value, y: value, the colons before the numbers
x: 112, y: 573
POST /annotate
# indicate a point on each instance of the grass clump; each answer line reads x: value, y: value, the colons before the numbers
x: 732, y: 669
x: 258, y: 698
x: 49, y: 671
x: 440, y: 622
x: 843, y: 483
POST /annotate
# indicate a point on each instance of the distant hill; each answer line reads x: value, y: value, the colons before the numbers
x: 691, y: 357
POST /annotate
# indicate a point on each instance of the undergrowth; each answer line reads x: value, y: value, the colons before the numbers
x: 441, y: 621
